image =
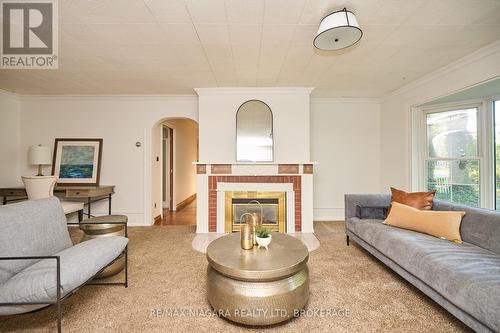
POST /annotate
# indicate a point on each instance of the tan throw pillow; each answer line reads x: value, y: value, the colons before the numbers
x: 442, y: 224
x: 419, y: 200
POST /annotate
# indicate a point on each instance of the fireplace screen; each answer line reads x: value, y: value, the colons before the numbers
x: 270, y: 206
x: 267, y: 209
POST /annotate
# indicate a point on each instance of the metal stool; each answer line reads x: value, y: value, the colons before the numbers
x: 106, y: 226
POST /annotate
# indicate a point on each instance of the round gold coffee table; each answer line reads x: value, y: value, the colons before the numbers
x: 258, y: 287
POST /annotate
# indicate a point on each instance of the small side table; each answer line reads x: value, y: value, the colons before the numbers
x: 106, y: 226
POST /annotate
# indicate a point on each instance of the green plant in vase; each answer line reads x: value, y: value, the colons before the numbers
x: 262, y: 232
x: 263, y: 236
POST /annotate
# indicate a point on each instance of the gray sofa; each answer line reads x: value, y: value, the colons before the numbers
x: 463, y: 278
x: 39, y: 265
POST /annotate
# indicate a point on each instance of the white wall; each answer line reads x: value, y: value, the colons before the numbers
x: 156, y: 171
x: 121, y: 122
x: 471, y: 70
x: 10, y: 115
x: 345, y: 141
x: 217, y: 121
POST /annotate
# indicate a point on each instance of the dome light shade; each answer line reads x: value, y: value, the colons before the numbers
x: 338, y: 30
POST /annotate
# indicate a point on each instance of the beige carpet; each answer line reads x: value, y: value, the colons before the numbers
x: 166, y: 273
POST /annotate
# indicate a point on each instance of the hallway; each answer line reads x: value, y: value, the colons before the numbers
x: 185, y: 216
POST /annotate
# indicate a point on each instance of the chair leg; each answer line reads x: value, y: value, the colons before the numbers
x: 347, y: 239
x: 59, y: 316
x: 126, y: 267
x: 58, y: 300
x: 126, y: 251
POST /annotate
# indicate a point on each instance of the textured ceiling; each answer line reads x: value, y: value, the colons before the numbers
x: 172, y: 46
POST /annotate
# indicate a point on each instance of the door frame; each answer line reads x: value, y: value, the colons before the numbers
x: 151, y: 192
x: 171, y: 171
x: 168, y: 162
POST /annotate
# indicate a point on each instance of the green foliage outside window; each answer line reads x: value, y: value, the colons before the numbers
x: 453, y: 170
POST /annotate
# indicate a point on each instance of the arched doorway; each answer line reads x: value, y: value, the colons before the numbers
x: 174, y: 148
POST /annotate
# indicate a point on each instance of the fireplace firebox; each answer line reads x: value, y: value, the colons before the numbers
x: 270, y: 206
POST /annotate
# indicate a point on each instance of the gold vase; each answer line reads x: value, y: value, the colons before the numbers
x: 246, y: 236
x: 255, y: 221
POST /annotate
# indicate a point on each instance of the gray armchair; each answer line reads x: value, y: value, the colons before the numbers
x: 39, y: 265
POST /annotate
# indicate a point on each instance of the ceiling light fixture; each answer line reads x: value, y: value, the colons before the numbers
x: 338, y: 30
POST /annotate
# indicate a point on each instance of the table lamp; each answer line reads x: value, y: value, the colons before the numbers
x: 39, y: 155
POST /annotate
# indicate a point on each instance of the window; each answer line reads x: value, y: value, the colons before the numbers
x: 452, y: 162
x: 455, y: 149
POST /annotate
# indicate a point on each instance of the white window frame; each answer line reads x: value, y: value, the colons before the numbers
x: 490, y: 108
x: 485, y: 149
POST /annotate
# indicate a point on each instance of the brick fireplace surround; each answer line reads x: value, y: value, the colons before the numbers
x: 212, y: 194
x: 214, y: 179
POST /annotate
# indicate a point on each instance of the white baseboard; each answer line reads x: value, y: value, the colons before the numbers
x: 135, y: 219
x: 329, y: 214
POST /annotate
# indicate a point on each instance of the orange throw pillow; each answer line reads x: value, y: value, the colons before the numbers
x: 442, y: 224
x: 418, y: 200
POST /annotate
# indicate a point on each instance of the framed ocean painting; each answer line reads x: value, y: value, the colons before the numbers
x: 77, y: 161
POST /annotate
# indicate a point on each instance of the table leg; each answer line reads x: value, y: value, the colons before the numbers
x: 80, y: 215
x: 4, y: 200
x: 109, y: 208
x: 89, y: 202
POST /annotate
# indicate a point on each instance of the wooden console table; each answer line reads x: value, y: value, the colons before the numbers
x: 87, y: 194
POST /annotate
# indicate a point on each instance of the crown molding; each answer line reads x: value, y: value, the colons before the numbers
x: 462, y: 62
x: 110, y: 97
x: 473, y: 102
x: 8, y: 94
x: 253, y: 90
x: 353, y: 100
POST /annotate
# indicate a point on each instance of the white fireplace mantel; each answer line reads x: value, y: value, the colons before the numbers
x: 217, y: 108
x: 211, y: 187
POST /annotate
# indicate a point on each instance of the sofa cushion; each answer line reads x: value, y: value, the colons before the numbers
x: 31, y: 228
x: 79, y: 263
x: 465, y: 274
x: 441, y: 224
x: 418, y: 200
x: 480, y: 227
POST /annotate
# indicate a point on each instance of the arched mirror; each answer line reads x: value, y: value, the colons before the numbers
x: 254, y: 132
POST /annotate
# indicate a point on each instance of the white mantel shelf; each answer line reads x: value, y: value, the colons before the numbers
x: 253, y: 163
x: 255, y: 169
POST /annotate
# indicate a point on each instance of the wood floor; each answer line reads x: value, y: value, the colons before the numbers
x: 185, y: 216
